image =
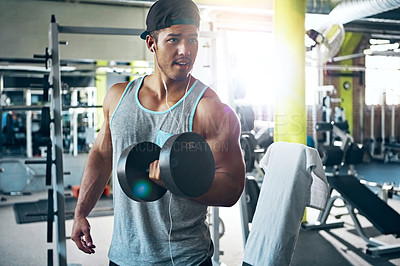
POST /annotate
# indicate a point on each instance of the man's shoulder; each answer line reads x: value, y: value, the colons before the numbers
x: 120, y: 85
x: 117, y: 89
x: 210, y: 101
x: 211, y: 105
x: 215, y: 119
x: 114, y: 94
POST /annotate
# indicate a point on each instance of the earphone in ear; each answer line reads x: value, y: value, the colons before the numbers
x: 152, y: 48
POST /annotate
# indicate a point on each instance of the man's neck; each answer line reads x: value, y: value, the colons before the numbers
x: 153, y: 96
x: 172, y: 86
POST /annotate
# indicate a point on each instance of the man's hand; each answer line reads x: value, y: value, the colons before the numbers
x: 155, y: 175
x: 81, y: 235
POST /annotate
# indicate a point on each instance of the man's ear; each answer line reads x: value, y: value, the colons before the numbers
x: 150, y: 42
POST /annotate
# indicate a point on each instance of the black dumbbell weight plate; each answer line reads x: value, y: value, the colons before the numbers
x: 133, y: 172
x: 187, y: 165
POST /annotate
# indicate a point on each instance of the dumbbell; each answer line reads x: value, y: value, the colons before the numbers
x: 186, y: 163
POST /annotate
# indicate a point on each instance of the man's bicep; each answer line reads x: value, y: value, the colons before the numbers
x: 226, y: 147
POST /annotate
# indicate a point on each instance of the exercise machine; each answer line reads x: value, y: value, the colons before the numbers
x: 341, y: 149
x: 357, y: 196
x: 253, y: 144
x: 16, y: 177
x: 392, y: 147
x: 382, y: 148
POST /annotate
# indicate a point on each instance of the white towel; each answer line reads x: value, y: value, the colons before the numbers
x: 294, y: 178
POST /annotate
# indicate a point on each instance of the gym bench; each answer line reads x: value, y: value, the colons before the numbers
x: 357, y: 196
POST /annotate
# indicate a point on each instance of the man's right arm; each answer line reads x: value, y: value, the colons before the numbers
x: 95, y: 175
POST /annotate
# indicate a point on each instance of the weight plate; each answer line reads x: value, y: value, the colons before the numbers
x: 133, y: 172
x: 187, y: 165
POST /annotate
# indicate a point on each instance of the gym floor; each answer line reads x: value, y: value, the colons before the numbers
x: 25, y: 244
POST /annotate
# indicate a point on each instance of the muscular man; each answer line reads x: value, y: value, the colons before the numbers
x: 171, y: 230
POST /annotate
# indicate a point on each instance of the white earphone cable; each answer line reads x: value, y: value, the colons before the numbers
x: 170, y: 230
x: 178, y: 123
x: 166, y: 91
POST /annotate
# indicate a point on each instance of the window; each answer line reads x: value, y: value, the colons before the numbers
x: 382, y: 80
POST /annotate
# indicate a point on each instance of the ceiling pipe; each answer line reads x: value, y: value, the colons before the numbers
x: 347, y: 11
x: 321, y: 6
x: 142, y: 3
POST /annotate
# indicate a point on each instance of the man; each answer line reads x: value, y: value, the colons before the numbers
x: 171, y: 230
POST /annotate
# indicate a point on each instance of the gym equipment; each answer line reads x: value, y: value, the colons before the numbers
x: 248, y: 145
x: 37, y: 211
x: 52, y: 61
x: 186, y: 164
x: 392, y: 147
x: 252, y: 193
x: 24, y: 133
x: 381, y: 148
x: 248, y: 203
x: 357, y: 196
x: 348, y: 153
x: 253, y: 144
x: 328, y: 40
x: 46, y: 56
x: 246, y: 117
x: 45, y: 86
x: 331, y: 155
x: 15, y: 177
x: 247, y: 141
x: 376, y: 150
x: 265, y: 137
x: 386, y: 189
x: 45, y: 123
x: 335, y: 157
x: 253, y: 148
x: 392, y: 152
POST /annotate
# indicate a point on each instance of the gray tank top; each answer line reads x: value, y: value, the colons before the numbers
x: 141, y: 229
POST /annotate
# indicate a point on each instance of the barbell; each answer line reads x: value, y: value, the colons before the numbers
x: 186, y: 163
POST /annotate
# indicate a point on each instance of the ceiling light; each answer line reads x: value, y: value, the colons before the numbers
x: 385, y: 47
x: 378, y: 41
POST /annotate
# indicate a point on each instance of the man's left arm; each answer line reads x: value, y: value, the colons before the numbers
x: 219, y: 124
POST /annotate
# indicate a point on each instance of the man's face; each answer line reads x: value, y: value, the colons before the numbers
x: 176, y: 50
